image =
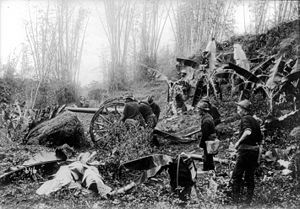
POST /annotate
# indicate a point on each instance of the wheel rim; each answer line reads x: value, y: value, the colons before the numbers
x: 109, y: 113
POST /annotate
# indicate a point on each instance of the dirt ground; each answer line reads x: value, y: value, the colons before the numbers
x: 272, y: 189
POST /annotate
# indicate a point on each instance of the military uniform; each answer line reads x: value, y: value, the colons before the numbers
x: 248, y: 152
x: 213, y: 111
x: 147, y: 114
x: 156, y: 109
x: 208, y: 130
x: 131, y: 111
x: 215, y: 114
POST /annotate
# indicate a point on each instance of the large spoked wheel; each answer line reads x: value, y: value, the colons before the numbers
x: 109, y: 113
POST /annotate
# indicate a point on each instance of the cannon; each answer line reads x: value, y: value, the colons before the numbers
x: 110, y: 112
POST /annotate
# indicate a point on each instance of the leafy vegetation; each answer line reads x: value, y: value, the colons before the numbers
x: 273, y: 71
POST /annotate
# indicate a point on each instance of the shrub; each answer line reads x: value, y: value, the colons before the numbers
x: 66, y: 94
x: 97, y: 94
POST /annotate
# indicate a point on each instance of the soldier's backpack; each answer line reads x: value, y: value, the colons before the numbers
x: 182, y: 173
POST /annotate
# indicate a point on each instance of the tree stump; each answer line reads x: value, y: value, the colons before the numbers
x: 63, y: 129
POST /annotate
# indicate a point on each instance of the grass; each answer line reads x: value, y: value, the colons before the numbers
x: 275, y: 191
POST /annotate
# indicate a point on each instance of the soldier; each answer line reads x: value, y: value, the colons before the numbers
x: 213, y: 111
x: 208, y: 133
x: 248, y: 147
x: 131, y: 111
x: 150, y: 119
x: 154, y: 106
x: 147, y: 114
x: 81, y: 101
x: 179, y: 103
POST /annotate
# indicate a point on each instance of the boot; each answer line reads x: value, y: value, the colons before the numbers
x: 185, y: 194
x: 236, y: 194
x: 249, y: 195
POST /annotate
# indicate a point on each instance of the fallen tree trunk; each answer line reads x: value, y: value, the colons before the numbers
x: 63, y: 129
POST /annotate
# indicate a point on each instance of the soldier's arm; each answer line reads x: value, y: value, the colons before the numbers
x: 246, y: 133
x: 124, y: 115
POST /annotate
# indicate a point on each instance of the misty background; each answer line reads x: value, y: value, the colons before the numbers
x: 111, y: 44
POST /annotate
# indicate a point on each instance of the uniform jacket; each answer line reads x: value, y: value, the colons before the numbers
x: 207, y: 128
x: 215, y: 114
x: 255, y: 138
x: 155, y: 109
x: 131, y: 111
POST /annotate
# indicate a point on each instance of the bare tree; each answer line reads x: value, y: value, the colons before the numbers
x: 119, y: 17
x: 282, y: 11
x: 38, y: 37
x: 55, y: 37
x: 194, y: 22
x: 155, y: 15
x: 71, y: 28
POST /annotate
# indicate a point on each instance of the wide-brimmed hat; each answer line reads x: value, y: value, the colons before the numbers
x: 245, y: 104
x: 130, y: 98
x: 203, y: 106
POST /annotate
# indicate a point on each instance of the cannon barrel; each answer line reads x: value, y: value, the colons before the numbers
x: 82, y: 109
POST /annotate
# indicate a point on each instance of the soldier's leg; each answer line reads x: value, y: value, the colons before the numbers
x: 152, y: 121
x: 237, y: 177
x: 205, y: 166
x: 208, y: 161
x: 186, y: 193
x: 249, y: 175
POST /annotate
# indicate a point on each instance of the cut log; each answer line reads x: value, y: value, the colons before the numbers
x: 63, y: 129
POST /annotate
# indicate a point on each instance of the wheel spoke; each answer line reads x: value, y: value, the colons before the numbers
x: 99, y: 124
x: 109, y: 113
x: 105, y: 119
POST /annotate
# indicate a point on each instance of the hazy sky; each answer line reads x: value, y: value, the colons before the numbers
x: 15, y: 12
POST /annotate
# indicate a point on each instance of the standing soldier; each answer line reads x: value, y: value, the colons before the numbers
x: 208, y: 134
x: 248, y: 147
x: 213, y: 111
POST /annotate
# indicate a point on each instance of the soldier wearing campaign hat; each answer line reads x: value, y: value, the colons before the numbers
x: 131, y: 111
x: 213, y: 111
x: 248, y: 147
x: 208, y: 133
